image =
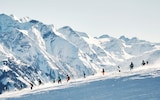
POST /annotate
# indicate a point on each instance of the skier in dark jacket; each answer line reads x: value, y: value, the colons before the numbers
x: 131, y: 66
x: 59, y: 80
x: 103, y: 71
x: 68, y: 78
x: 31, y: 86
x: 119, y: 69
x: 40, y: 82
x: 147, y: 62
x: 84, y: 74
x: 143, y: 63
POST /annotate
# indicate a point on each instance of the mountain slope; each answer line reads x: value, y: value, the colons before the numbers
x: 31, y: 51
x: 142, y: 83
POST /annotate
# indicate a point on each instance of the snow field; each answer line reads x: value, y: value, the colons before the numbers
x: 141, y: 84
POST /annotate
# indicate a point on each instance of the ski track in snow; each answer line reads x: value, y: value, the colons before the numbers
x: 113, y: 79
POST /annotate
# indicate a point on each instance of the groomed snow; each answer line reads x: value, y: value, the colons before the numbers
x: 141, y: 83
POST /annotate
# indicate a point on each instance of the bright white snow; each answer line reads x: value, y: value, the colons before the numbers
x: 139, y: 84
x: 31, y: 51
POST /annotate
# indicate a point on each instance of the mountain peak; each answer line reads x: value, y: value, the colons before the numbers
x: 104, y: 36
x: 67, y: 28
x: 14, y: 17
x: 4, y: 16
x: 8, y: 17
x: 124, y: 38
x: 39, y: 54
x: 25, y: 19
x: 6, y: 22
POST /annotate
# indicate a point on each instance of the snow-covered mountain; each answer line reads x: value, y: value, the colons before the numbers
x: 31, y: 51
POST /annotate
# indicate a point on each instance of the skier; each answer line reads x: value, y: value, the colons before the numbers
x: 31, y: 86
x: 68, y: 78
x: 21, y: 86
x: 40, y: 82
x: 59, y: 80
x: 84, y: 74
x: 5, y: 63
x: 131, y: 66
x: 103, y: 71
x: 147, y: 62
x: 143, y: 63
x: 54, y: 81
x: 119, y: 69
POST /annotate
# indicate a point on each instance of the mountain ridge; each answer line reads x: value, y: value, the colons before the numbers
x: 32, y: 51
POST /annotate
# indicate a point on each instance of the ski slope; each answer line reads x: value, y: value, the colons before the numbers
x: 142, y: 83
x: 31, y: 51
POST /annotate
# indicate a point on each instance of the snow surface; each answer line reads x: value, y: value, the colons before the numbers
x: 31, y: 51
x: 139, y: 84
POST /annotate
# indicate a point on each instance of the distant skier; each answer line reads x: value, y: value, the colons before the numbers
x: 131, y: 66
x: 59, y: 80
x: 21, y: 86
x: 40, y: 82
x: 68, y: 78
x: 119, y: 69
x: 143, y: 63
x: 103, y: 71
x: 84, y: 74
x: 147, y: 62
x: 54, y: 81
x: 5, y: 63
x: 31, y: 86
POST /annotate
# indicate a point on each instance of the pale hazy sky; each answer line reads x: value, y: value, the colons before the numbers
x: 132, y: 18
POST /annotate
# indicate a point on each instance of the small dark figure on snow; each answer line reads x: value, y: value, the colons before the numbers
x: 31, y: 86
x: 131, y: 66
x: 5, y: 63
x: 119, y: 69
x: 40, y: 82
x: 54, y: 81
x: 21, y: 86
x: 68, y: 78
x: 84, y: 74
x: 147, y: 62
x: 59, y: 80
x: 143, y: 63
x: 103, y: 71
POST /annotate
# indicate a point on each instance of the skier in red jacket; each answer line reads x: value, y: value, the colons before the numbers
x: 103, y: 71
x: 68, y: 78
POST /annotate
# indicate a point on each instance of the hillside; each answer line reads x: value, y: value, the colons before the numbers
x: 31, y: 51
x: 141, y: 84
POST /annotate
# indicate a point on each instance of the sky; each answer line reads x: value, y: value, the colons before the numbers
x: 132, y: 18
